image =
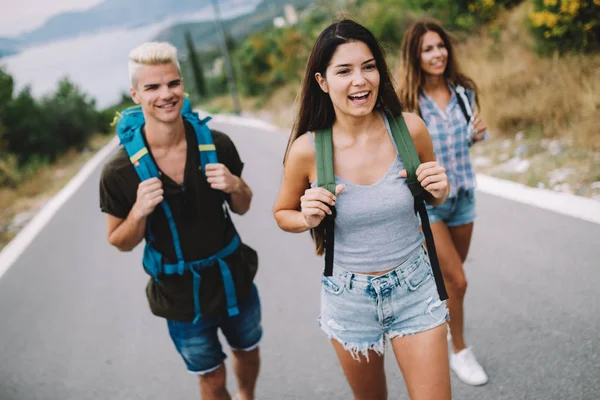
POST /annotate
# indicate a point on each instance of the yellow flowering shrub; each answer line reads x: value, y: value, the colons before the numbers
x: 566, y: 25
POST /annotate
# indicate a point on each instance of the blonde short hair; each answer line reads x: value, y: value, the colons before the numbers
x: 151, y: 53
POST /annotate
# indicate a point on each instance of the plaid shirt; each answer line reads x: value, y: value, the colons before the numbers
x: 448, y: 132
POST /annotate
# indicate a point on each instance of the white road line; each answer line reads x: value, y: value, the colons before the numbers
x: 562, y: 203
x: 13, y: 250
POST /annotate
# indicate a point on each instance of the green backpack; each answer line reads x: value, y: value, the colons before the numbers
x: 410, y: 158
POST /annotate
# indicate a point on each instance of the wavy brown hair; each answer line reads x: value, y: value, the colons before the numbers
x: 315, y: 107
x: 412, y: 78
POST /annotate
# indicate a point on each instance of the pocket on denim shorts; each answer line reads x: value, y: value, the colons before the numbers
x: 419, y: 276
x: 332, y: 285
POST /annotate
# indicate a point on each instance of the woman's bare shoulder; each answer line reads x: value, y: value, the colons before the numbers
x: 415, y: 124
x: 302, y: 150
x: 420, y: 135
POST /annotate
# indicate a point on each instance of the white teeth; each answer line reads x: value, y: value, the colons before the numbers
x: 359, y: 95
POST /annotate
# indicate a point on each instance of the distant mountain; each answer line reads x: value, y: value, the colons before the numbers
x: 205, y: 35
x: 8, y: 47
x: 115, y: 13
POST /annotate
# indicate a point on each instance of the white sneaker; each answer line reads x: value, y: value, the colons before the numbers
x: 465, y: 366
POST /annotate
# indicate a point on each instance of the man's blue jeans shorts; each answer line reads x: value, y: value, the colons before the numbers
x: 199, y: 345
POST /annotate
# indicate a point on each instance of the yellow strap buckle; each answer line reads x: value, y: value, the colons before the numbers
x: 207, y: 147
x: 135, y: 158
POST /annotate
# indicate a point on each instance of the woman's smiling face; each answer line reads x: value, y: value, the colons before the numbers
x: 351, y: 79
x: 434, y: 54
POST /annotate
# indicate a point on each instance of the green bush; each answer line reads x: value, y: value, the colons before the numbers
x: 35, y: 132
x: 271, y: 58
x: 25, y: 133
x: 71, y: 118
x: 566, y: 25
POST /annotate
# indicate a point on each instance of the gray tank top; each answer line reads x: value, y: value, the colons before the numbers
x: 376, y: 228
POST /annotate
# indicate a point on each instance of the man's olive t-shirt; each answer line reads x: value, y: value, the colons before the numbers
x: 203, y: 228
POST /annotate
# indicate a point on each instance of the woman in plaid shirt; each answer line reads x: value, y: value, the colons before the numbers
x: 431, y: 84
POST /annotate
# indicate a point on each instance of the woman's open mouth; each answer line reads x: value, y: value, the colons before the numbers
x: 360, y: 98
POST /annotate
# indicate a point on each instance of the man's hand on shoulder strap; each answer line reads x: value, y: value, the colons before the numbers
x: 220, y: 178
x: 127, y: 233
x: 149, y: 195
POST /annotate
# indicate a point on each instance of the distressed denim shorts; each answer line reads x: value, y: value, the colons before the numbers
x: 456, y: 211
x: 199, y: 345
x: 360, y: 310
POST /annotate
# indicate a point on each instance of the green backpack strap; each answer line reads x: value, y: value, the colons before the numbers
x: 408, y: 153
x: 326, y: 179
x: 324, y: 148
x: 411, y: 161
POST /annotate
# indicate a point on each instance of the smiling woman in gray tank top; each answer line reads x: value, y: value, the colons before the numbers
x: 381, y: 286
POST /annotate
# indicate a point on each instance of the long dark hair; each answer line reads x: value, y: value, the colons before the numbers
x: 412, y: 78
x: 315, y: 107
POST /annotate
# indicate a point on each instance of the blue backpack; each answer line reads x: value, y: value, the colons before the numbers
x: 129, y: 130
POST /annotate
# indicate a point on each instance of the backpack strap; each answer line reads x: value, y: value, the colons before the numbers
x: 326, y: 179
x: 206, y: 145
x: 411, y: 161
x: 463, y: 102
x: 408, y: 153
x: 465, y: 106
x: 146, y: 168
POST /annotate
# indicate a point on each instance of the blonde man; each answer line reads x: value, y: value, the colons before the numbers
x: 195, y: 193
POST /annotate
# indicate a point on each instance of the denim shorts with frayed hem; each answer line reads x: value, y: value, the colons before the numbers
x: 360, y: 311
x: 456, y: 211
x: 199, y: 345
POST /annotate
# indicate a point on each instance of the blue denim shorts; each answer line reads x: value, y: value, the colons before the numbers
x: 199, y: 345
x: 360, y: 310
x: 456, y: 211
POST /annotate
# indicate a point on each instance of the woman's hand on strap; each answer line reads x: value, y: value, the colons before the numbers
x: 315, y: 204
x: 433, y: 178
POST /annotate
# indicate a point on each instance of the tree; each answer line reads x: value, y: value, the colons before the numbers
x: 196, y: 66
x: 6, y: 93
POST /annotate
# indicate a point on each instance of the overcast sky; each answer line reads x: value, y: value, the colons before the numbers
x: 18, y: 16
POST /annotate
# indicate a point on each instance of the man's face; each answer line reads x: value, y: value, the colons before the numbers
x: 159, y: 90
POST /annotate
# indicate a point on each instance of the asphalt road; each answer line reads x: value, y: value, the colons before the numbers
x: 74, y: 324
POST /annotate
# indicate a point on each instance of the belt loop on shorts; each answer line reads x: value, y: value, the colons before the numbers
x: 397, y: 281
x: 348, y: 280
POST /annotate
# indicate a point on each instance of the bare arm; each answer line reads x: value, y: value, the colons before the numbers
x: 241, y: 197
x: 298, y: 207
x: 430, y: 173
x: 220, y: 178
x: 127, y: 233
